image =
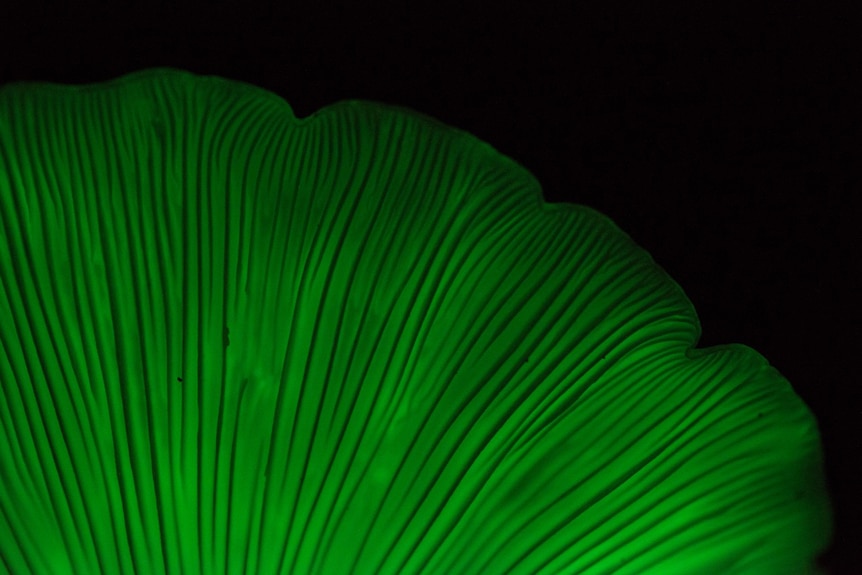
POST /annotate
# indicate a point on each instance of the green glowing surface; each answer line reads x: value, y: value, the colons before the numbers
x: 234, y: 341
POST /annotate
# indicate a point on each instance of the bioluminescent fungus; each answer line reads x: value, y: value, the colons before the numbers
x: 235, y: 341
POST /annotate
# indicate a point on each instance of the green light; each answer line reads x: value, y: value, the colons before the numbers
x: 234, y: 341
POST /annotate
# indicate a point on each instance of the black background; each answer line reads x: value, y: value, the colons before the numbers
x: 720, y: 137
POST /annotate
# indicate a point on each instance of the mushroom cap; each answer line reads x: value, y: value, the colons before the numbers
x: 233, y: 340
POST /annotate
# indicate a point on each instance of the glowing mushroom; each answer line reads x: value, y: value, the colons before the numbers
x: 235, y: 341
